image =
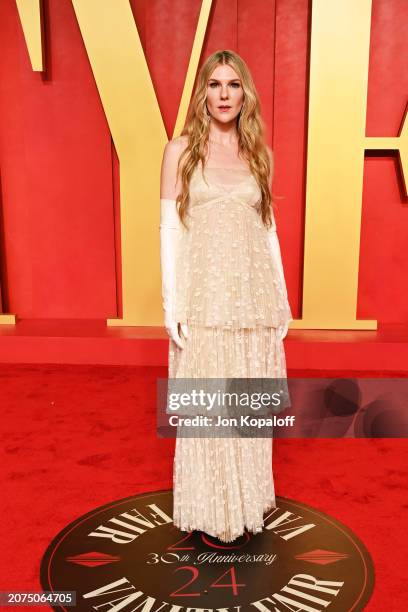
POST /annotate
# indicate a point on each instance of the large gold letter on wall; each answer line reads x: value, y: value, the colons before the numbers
x: 125, y: 86
x: 122, y: 77
x: 340, y: 40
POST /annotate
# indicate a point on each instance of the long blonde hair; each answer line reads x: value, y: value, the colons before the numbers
x: 250, y: 128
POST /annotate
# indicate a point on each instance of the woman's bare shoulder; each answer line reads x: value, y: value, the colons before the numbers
x: 173, y: 151
x: 177, y: 145
x: 170, y: 178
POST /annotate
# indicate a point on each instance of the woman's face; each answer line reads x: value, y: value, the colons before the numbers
x: 224, y: 89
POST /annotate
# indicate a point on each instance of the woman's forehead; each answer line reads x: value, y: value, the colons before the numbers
x: 224, y: 72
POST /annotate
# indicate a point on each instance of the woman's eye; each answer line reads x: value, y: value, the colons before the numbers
x: 235, y: 85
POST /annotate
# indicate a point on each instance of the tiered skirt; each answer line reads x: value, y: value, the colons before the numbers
x: 224, y: 485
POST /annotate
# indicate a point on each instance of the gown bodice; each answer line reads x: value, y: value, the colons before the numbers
x: 217, y: 184
x: 225, y: 276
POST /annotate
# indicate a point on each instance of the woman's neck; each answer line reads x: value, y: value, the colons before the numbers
x: 225, y: 138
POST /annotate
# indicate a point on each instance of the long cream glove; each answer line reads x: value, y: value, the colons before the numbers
x: 275, y: 252
x: 170, y: 227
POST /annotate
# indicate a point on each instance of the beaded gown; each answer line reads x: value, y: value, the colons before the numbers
x: 229, y: 295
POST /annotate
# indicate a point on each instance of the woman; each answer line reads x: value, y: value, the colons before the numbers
x: 224, y: 295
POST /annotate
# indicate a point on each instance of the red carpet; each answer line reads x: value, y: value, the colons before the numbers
x: 78, y: 436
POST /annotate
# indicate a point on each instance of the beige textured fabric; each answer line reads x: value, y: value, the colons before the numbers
x: 228, y: 295
x: 225, y: 275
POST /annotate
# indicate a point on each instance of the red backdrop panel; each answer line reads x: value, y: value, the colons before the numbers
x: 59, y: 170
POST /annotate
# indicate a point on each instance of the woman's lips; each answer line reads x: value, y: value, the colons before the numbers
x: 224, y: 108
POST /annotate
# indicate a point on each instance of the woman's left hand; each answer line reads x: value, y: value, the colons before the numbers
x: 282, y: 330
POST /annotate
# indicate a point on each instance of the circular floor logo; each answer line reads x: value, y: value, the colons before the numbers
x: 129, y: 556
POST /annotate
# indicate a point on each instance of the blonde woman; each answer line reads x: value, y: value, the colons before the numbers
x: 224, y: 295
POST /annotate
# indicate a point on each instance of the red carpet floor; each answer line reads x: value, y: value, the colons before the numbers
x: 76, y: 437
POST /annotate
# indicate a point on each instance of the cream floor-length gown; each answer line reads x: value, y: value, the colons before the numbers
x: 229, y: 296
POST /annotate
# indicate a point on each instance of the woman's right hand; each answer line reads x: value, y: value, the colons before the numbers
x: 172, y: 328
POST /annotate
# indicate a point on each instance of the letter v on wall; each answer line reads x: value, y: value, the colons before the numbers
x: 129, y: 101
